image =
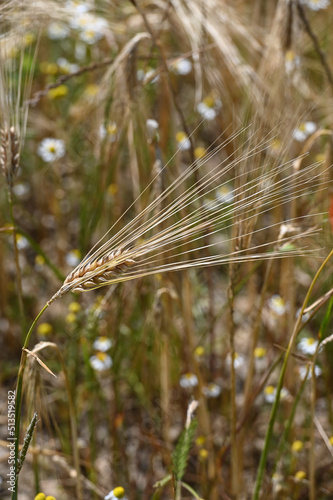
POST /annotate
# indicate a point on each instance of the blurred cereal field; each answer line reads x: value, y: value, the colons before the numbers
x: 189, y: 144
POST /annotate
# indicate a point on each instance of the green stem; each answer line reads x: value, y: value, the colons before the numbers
x: 191, y: 490
x: 178, y: 490
x: 73, y: 424
x: 19, y: 396
x: 269, y: 433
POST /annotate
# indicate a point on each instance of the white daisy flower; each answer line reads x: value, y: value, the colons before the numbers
x: 110, y: 131
x: 58, y: 31
x: 209, y: 108
x: 21, y: 242
x: 66, y: 66
x: 140, y: 75
x: 292, y: 61
x: 94, y: 33
x: 51, y: 149
x: 303, y: 372
x: 102, y: 344
x: 305, y: 316
x: 118, y: 492
x: 188, y: 381
x: 260, y: 356
x: 278, y: 482
x: 308, y: 345
x: 211, y: 203
x: 212, y: 390
x: 239, y: 360
x: 152, y: 129
x: 21, y: 190
x: 100, y: 361
x: 277, y: 305
x: 304, y: 130
x: 270, y: 394
x: 225, y: 194
x: 77, y: 6
x: 91, y: 27
x: 183, y: 142
x: 73, y: 258
x: 260, y: 352
x: 181, y: 66
x: 148, y: 76
x: 316, y: 4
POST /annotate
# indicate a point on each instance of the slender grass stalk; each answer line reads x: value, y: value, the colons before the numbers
x: 74, y: 433
x: 18, y: 400
x: 289, y: 423
x: 203, y: 413
x: 235, y: 483
x: 17, y: 263
x: 255, y: 333
x: 269, y: 433
x: 191, y: 490
x: 312, y: 458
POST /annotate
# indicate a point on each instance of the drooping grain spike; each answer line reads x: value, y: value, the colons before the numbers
x: 9, y: 154
x: 3, y: 152
x: 92, y: 274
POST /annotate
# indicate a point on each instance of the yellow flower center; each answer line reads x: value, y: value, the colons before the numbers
x: 112, y: 189
x: 275, y: 144
x: 199, y: 351
x: 209, y: 101
x: 48, y: 68
x: 44, y: 329
x: 278, y: 302
x: 199, y: 152
x: 71, y: 318
x: 74, y: 307
x: 203, y: 454
x: 111, y: 129
x: 181, y: 136
x: 297, y: 446
x: 39, y: 260
x: 260, y: 352
x: 200, y: 440
x: 101, y: 356
x: 76, y: 253
x: 40, y: 496
x: 92, y: 90
x: 60, y: 91
x: 29, y: 38
x: 290, y: 55
x: 300, y: 475
x: 119, y: 492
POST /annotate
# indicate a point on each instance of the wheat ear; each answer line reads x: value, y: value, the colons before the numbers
x: 9, y: 153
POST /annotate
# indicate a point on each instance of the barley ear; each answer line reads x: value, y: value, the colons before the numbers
x: 91, y: 274
x: 9, y: 154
